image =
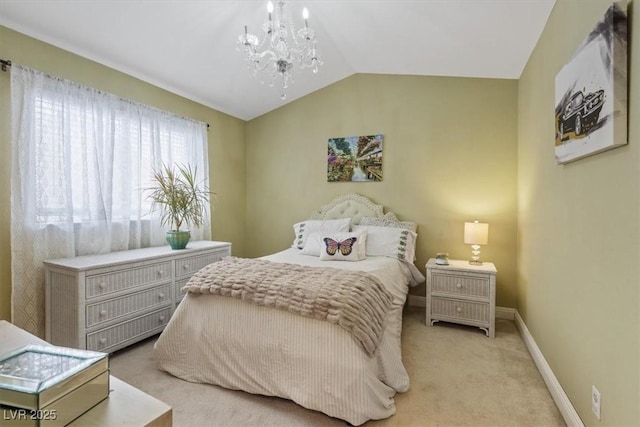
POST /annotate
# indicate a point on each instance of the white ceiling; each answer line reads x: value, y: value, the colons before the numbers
x: 189, y: 47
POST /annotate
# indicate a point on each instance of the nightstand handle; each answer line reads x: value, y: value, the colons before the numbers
x: 459, y: 285
x: 458, y: 309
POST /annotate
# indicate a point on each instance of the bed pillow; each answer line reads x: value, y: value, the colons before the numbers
x: 313, y: 244
x: 389, y: 220
x: 304, y: 228
x: 344, y: 246
x: 391, y: 242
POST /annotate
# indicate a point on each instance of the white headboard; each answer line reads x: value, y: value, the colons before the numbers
x: 349, y: 205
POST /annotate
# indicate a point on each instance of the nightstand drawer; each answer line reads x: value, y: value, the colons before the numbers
x: 123, y: 306
x: 460, y: 285
x: 475, y: 311
x: 103, y: 284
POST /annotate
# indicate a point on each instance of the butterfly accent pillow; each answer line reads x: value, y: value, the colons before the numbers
x: 343, y: 247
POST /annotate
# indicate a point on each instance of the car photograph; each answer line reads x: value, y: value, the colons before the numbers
x: 580, y: 114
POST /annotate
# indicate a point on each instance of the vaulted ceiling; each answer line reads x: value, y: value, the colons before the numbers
x: 189, y: 46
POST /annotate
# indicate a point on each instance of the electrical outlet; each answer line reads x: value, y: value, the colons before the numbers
x: 595, y: 401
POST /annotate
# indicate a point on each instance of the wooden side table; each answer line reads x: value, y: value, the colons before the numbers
x: 462, y: 293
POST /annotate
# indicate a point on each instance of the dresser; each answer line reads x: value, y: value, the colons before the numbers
x: 109, y: 301
x: 462, y: 293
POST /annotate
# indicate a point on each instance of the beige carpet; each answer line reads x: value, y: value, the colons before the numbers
x: 459, y: 377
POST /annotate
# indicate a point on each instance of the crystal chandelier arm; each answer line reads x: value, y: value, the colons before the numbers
x: 261, y: 61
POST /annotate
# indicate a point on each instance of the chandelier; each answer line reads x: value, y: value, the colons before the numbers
x: 273, y: 57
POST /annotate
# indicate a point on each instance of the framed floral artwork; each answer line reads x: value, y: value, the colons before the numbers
x: 354, y: 158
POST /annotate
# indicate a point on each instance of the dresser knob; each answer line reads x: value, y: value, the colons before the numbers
x: 185, y: 267
x: 161, y: 295
x: 459, y: 285
x: 458, y: 309
x: 103, y: 340
x: 102, y: 285
x: 161, y: 318
x: 159, y: 272
x: 103, y: 312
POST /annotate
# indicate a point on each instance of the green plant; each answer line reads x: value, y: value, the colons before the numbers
x: 178, y: 196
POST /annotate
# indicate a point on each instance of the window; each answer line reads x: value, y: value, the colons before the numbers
x: 80, y: 160
x: 86, y: 157
x: 69, y: 147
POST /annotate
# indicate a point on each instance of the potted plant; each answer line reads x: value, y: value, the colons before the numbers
x: 180, y: 199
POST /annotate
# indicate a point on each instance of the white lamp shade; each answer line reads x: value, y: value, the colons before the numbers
x: 476, y: 233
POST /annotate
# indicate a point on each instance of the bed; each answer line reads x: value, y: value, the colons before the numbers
x: 324, y: 364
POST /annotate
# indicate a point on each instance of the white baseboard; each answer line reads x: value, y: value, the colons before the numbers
x: 501, y: 312
x: 417, y: 301
x: 505, y: 313
x: 567, y: 410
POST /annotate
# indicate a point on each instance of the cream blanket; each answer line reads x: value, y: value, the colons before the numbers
x: 355, y: 300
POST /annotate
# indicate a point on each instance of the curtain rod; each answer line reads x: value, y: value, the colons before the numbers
x: 4, y: 63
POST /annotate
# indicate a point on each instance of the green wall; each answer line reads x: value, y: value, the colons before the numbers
x: 579, y: 233
x: 449, y: 157
x: 226, y: 138
x: 565, y: 239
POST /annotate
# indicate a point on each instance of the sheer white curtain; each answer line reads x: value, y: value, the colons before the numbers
x: 81, y: 159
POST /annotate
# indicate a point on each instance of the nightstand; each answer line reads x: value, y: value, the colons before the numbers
x: 462, y: 293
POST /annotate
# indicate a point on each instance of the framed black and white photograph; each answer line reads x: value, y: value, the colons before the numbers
x: 591, y: 91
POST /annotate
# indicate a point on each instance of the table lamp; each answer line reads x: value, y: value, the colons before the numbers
x: 476, y: 234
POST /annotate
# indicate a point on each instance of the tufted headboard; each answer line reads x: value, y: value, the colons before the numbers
x: 349, y: 205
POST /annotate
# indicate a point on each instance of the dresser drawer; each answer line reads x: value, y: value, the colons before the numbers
x: 460, y: 285
x: 112, y: 309
x: 178, y: 288
x: 189, y: 265
x: 474, y: 311
x: 103, y: 284
x: 104, y: 339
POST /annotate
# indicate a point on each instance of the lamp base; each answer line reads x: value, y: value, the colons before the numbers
x: 475, y: 255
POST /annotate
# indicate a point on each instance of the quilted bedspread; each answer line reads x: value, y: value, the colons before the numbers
x: 355, y: 300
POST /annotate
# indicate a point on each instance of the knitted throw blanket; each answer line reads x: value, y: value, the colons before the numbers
x: 355, y: 300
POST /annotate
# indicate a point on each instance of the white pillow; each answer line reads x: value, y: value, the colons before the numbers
x: 313, y: 244
x: 391, y: 242
x: 344, y: 246
x: 304, y: 228
x: 389, y: 220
